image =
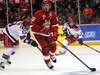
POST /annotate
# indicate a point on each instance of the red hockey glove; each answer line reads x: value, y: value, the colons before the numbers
x: 44, y: 30
x: 55, y: 36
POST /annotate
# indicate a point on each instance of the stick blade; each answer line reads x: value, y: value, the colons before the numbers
x: 93, y: 69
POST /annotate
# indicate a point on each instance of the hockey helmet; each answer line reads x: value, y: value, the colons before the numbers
x: 71, y: 20
x: 45, y: 2
x: 27, y: 21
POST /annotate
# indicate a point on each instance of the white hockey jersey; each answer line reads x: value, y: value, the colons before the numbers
x: 75, y: 31
x: 16, y: 30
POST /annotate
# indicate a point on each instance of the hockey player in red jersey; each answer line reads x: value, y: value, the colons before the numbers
x: 11, y: 35
x: 45, y: 21
x: 72, y: 33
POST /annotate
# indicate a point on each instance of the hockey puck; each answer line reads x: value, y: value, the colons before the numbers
x: 93, y: 69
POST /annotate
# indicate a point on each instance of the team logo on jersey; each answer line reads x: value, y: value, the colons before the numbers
x: 43, y: 16
x: 50, y: 15
x: 47, y: 24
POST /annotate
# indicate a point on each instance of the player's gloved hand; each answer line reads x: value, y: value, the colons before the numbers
x: 32, y: 42
x: 55, y: 36
x: 80, y: 41
x: 28, y: 36
x: 44, y: 30
x: 65, y: 33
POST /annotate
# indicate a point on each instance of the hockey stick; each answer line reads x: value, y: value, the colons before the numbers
x: 92, y: 69
x: 92, y: 48
x: 42, y: 52
x: 88, y: 46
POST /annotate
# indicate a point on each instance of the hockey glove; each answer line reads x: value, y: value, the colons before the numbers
x: 28, y: 36
x: 44, y: 30
x: 65, y: 33
x: 55, y: 35
x: 31, y: 42
x: 80, y: 41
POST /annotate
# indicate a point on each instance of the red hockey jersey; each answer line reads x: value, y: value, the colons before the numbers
x: 49, y: 20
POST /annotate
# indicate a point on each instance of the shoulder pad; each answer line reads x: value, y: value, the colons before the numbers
x: 77, y: 28
x: 67, y: 23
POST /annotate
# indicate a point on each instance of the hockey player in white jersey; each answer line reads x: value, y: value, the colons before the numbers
x: 11, y: 35
x: 72, y: 33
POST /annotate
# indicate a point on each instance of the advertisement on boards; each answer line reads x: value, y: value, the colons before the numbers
x: 91, y: 32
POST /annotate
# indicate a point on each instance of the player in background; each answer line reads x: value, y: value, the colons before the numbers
x: 71, y: 30
x: 11, y: 35
x: 45, y: 21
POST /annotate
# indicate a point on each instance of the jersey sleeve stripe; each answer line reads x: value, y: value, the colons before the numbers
x: 55, y: 25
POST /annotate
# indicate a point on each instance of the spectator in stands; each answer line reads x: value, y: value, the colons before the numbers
x: 24, y: 6
x: 10, y: 16
x: 82, y: 3
x: 74, y: 4
x: 69, y: 2
x: 60, y: 7
x: 69, y: 15
x: 2, y: 17
x: 38, y: 3
x: 19, y: 15
x: 62, y: 18
x: 10, y: 6
x: 63, y: 2
x: 15, y: 3
x: 60, y: 21
x: 34, y: 6
x: 87, y: 11
x: 1, y: 24
x: 61, y: 10
x: 28, y: 13
x: 76, y: 9
x: 29, y: 16
x: 69, y: 9
x: 1, y: 2
x: 58, y: 4
x: 2, y: 14
x: 3, y: 6
x: 28, y: 2
x: 99, y: 9
x: 52, y: 6
x: 82, y: 18
x: 93, y: 4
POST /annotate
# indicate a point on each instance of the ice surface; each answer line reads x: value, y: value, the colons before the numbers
x: 29, y: 61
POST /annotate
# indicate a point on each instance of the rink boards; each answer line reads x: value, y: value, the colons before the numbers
x: 91, y: 35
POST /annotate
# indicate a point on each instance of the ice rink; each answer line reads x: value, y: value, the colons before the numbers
x: 29, y: 61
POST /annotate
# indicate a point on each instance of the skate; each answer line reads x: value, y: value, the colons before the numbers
x: 2, y: 66
x: 8, y: 62
x: 50, y: 66
x: 60, y: 53
x: 53, y: 59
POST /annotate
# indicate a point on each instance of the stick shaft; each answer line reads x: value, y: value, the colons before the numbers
x: 74, y: 55
x: 89, y: 46
x: 92, y: 48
